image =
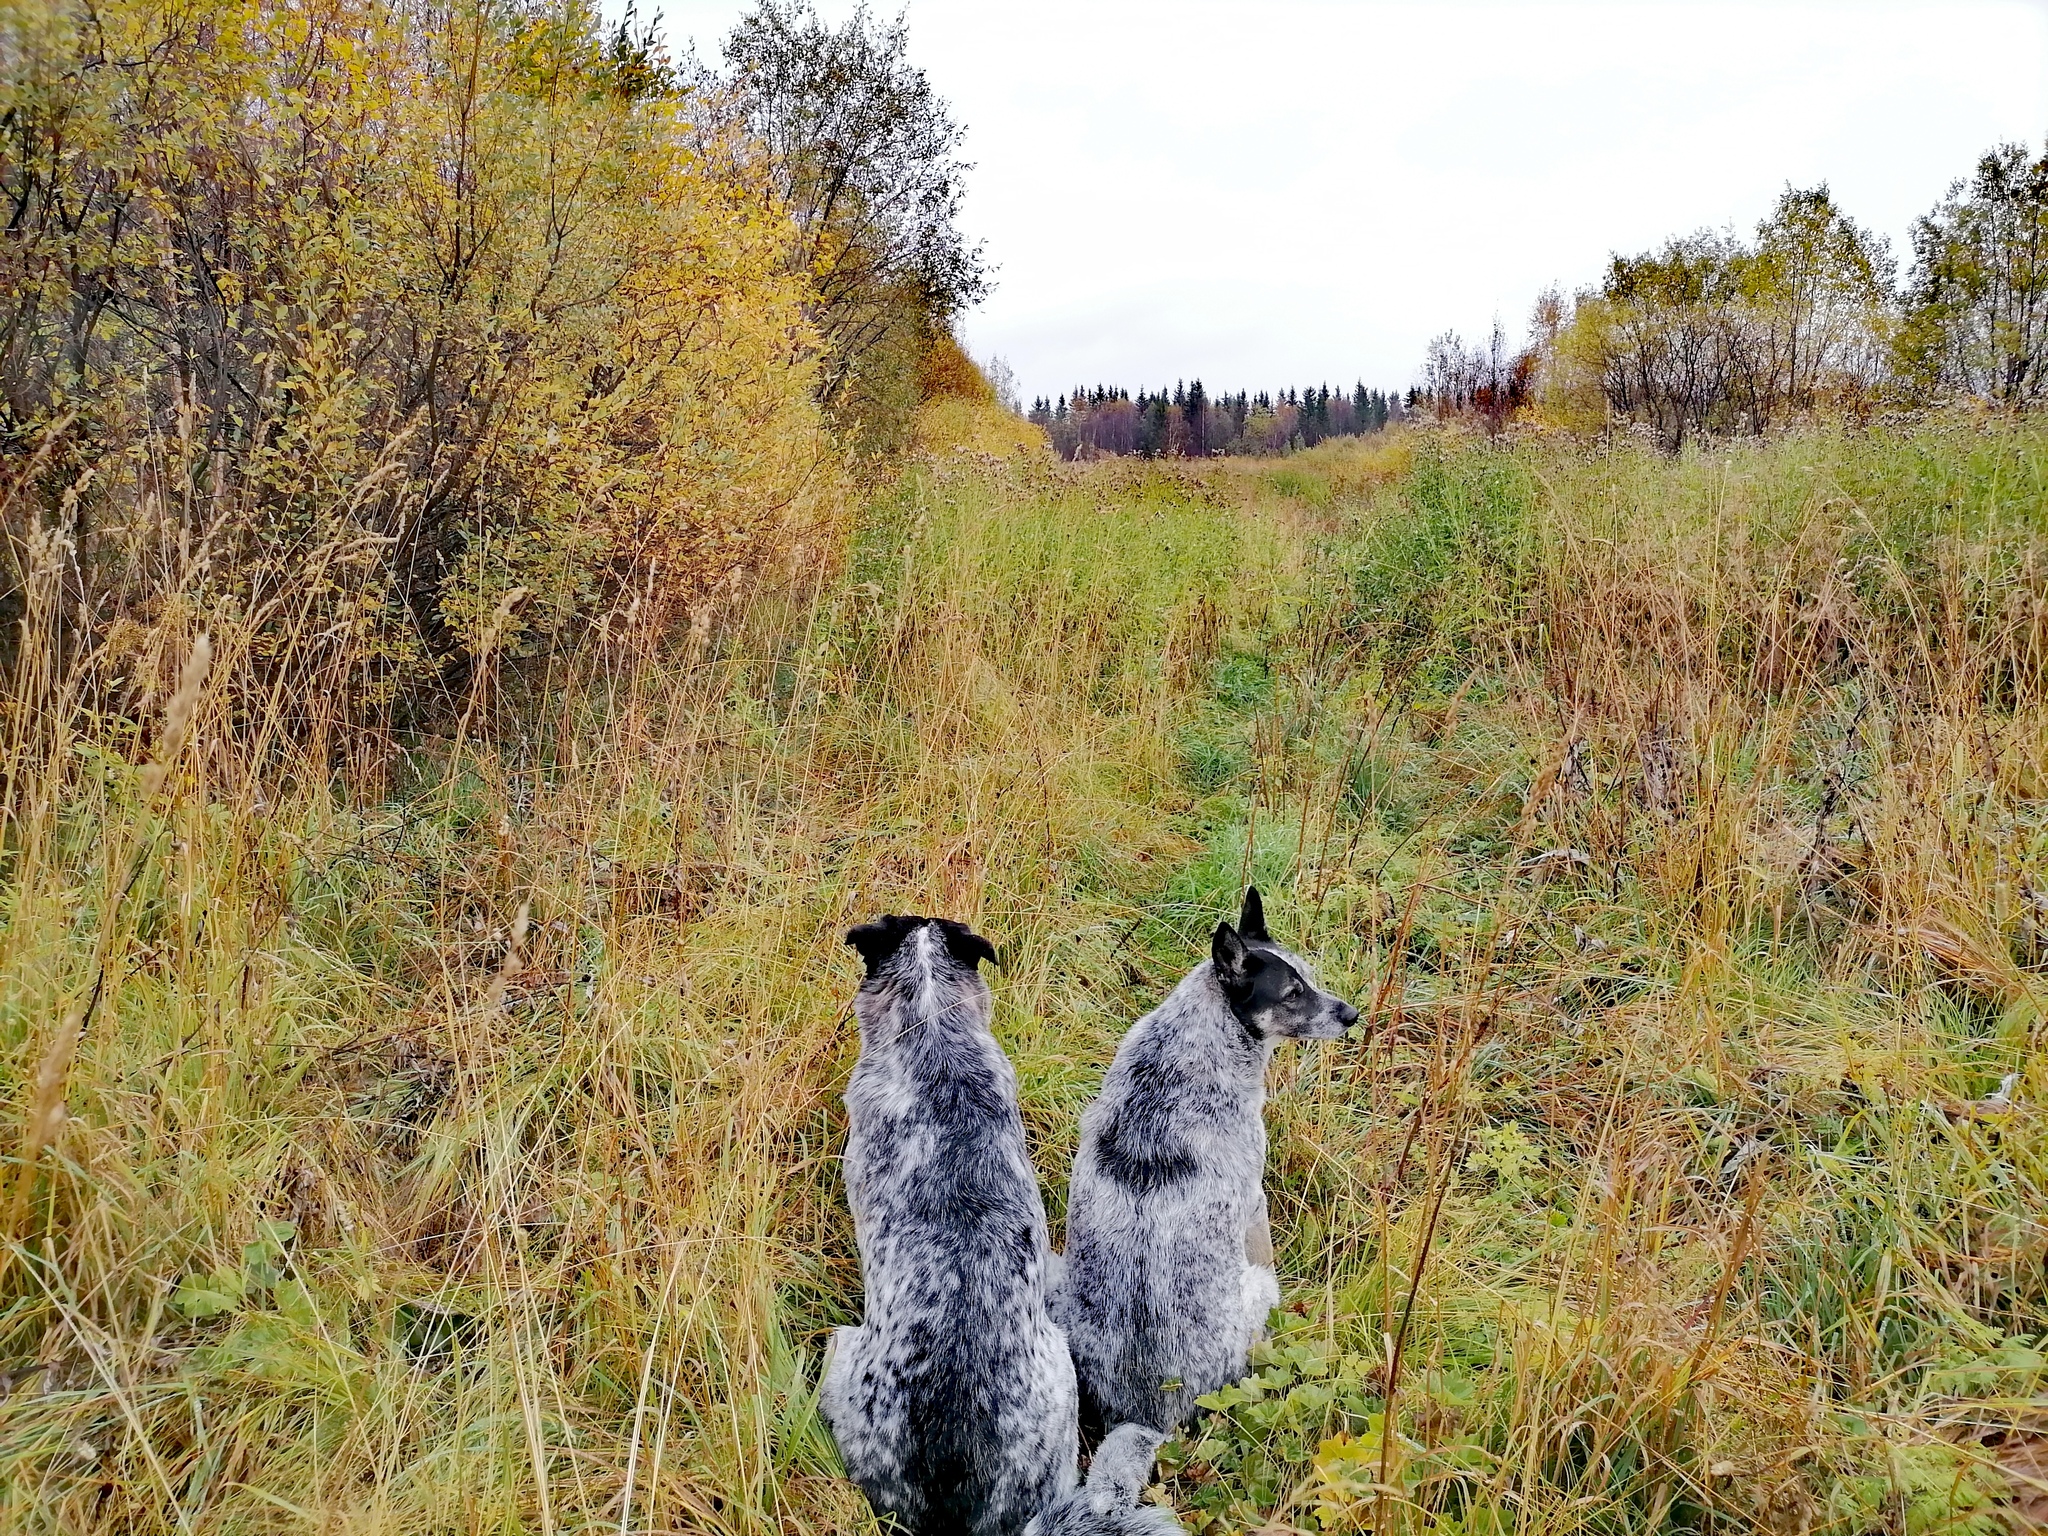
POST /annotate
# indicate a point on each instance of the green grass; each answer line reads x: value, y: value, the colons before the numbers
x: 374, y: 1210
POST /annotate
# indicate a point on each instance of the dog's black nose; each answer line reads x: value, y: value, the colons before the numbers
x: 1346, y: 1014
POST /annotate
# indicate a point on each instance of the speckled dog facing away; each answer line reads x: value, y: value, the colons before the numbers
x: 1169, y: 1263
x: 953, y: 1403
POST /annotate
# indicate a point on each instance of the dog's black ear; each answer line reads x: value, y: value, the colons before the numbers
x: 1252, y: 921
x: 1236, y: 963
x: 878, y: 940
x: 964, y: 944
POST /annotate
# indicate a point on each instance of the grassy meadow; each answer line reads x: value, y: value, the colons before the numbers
x: 447, y: 1143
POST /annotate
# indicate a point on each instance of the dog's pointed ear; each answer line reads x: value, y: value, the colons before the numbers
x: 1252, y: 921
x: 965, y: 945
x: 1235, y: 962
x: 878, y: 940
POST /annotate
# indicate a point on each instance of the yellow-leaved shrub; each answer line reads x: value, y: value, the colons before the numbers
x: 383, y: 336
x: 959, y: 412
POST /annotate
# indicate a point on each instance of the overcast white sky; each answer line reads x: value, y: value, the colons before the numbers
x: 1282, y: 192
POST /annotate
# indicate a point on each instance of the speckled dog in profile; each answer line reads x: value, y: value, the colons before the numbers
x: 1169, y: 1263
x: 953, y: 1403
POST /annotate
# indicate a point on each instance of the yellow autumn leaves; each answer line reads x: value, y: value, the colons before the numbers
x: 342, y: 321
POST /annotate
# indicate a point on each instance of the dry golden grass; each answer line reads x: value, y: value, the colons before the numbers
x: 451, y: 1143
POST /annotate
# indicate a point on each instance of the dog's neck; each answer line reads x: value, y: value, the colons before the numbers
x: 1200, y: 1030
x: 917, y: 999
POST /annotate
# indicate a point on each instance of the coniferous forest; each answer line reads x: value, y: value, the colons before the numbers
x: 1189, y: 422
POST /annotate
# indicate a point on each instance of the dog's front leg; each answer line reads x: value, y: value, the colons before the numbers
x: 839, y: 1363
x: 1261, y: 1291
x: 1258, y: 1236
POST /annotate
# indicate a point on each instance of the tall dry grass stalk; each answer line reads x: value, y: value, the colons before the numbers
x: 45, y: 1113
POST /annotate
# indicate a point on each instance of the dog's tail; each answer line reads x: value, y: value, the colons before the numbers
x: 1107, y: 1504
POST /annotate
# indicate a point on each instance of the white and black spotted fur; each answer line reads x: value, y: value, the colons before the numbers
x: 1108, y: 1505
x: 1169, y: 1263
x: 953, y: 1403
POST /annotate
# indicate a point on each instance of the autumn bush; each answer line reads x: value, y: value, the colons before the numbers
x: 383, y: 338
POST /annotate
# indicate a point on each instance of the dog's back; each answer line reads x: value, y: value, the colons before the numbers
x: 954, y: 1402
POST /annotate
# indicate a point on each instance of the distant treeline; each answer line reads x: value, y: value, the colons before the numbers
x: 1710, y: 334
x: 1191, y: 423
x: 1713, y: 335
